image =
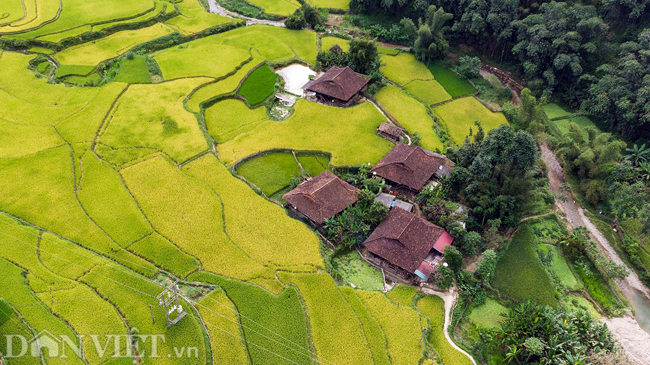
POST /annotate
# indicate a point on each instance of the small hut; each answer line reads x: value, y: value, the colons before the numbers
x: 390, y: 132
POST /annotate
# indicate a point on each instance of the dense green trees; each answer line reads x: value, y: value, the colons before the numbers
x: 495, y: 175
x: 621, y: 93
x: 542, y: 335
x: 363, y: 56
x: 430, y: 43
x: 304, y: 16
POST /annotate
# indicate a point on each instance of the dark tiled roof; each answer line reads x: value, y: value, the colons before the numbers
x: 390, y: 129
x: 322, y: 197
x: 411, y: 166
x: 403, y: 239
x: 338, y: 82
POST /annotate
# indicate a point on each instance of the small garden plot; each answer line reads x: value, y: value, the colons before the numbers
x: 582, y: 122
x: 411, y: 114
x: 195, y: 224
x: 459, y: 116
x: 455, y: 85
x: 554, y: 111
x: 405, y: 68
x: 401, y: 325
x: 224, y: 329
x: 165, y: 255
x: 402, y: 295
x: 270, y: 172
x: 434, y: 308
x: 203, y: 57
x: 278, y: 7
x: 328, y: 42
x: 313, y: 165
x: 259, y: 85
x: 348, y: 134
x: 260, y: 228
x: 336, y: 331
x: 231, y: 117
x: 134, y: 71
x: 429, y: 91
x: 276, y: 323
x: 194, y: 18
x: 352, y: 270
x: 371, y: 329
x: 332, y: 4
x: 161, y: 123
x: 561, y: 268
x: 520, y: 275
x: 574, y: 303
x: 487, y: 315
x: 90, y: 54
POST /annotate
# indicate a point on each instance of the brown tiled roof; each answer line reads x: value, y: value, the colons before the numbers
x: 322, y: 197
x: 411, y: 166
x: 338, y: 82
x: 390, y: 129
x: 403, y: 239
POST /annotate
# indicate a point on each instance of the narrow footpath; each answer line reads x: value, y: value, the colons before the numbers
x: 632, y: 337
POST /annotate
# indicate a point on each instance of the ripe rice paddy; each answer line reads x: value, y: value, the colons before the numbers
x: 405, y: 68
x: 278, y: 7
x: 459, y: 116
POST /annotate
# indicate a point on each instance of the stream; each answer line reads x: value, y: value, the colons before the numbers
x: 216, y: 8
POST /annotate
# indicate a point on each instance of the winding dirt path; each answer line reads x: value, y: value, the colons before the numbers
x: 632, y: 337
x: 449, y: 298
x: 215, y: 8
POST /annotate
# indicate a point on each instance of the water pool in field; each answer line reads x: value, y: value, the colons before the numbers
x: 295, y: 77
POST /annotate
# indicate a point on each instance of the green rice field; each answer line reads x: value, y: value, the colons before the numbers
x: 487, y: 315
x: 455, y: 85
x: 259, y: 85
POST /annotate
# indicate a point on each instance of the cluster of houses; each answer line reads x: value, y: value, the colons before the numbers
x: 405, y: 245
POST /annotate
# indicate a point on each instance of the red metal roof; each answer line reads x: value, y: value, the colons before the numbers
x: 445, y: 240
x: 425, y: 269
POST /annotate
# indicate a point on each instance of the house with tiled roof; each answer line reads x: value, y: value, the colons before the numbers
x: 338, y: 86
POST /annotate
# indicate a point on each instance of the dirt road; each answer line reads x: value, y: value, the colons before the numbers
x: 632, y: 337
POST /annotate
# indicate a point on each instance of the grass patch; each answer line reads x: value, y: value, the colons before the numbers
x: 405, y: 68
x: 5, y: 312
x: 259, y: 85
x: 429, y: 91
x: 270, y: 172
x: 582, y: 122
x: 350, y: 268
x: 455, y: 85
x: 574, y: 302
x: 348, y: 134
x: 411, y: 114
x: 371, y: 329
x: 561, y: 268
x: 134, y: 71
x: 336, y: 331
x: 460, y: 115
x: 401, y: 325
x: 596, y: 286
x: 519, y: 273
x: 73, y: 70
x: 555, y: 111
x: 332, y: 4
x: 487, y: 315
x: 276, y: 323
x: 229, y: 118
x: 388, y: 51
x: 434, y: 308
x: 92, y: 53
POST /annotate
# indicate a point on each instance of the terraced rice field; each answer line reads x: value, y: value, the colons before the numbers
x: 111, y: 192
x: 404, y: 68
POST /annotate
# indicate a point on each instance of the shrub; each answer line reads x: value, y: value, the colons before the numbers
x: 470, y: 67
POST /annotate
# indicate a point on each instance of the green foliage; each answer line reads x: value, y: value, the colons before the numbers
x: 304, y: 16
x: 486, y: 267
x: 134, y: 71
x: 5, y: 312
x: 469, y: 67
x: 574, y: 245
x: 520, y: 275
x: 363, y: 56
x: 597, y: 286
x: 540, y: 333
x: 259, y: 85
x: 352, y: 226
x: 351, y: 269
x: 430, y: 43
x: 488, y: 315
x: 453, y: 258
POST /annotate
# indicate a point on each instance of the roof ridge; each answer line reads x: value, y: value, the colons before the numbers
x: 324, y: 185
x: 399, y: 236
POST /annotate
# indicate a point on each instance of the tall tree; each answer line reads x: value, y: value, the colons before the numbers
x: 363, y: 56
x: 430, y: 43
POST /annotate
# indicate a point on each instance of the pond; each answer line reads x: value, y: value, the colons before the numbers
x: 295, y: 77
